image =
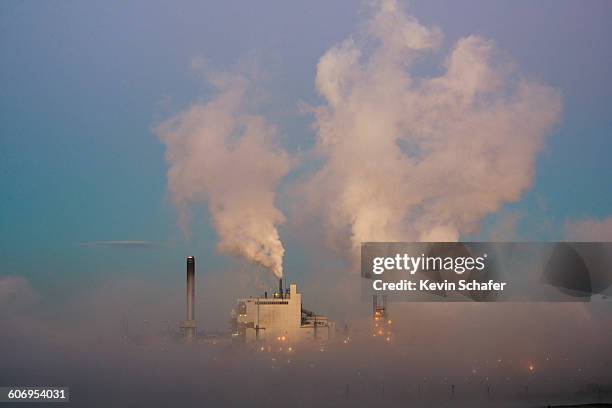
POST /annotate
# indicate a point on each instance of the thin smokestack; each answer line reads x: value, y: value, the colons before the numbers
x: 190, y: 288
x: 280, y: 287
x: 189, y: 325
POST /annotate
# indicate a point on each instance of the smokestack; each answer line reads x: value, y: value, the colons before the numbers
x: 280, y: 287
x: 189, y: 325
x: 190, y: 288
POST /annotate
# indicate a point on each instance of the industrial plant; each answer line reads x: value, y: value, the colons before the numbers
x: 381, y: 322
x: 280, y: 317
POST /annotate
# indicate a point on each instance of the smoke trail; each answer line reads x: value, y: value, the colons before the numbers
x: 421, y: 158
x: 220, y: 154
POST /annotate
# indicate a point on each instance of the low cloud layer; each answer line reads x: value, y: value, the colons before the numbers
x: 222, y: 155
x: 135, y: 351
x: 421, y: 158
x: 15, y: 290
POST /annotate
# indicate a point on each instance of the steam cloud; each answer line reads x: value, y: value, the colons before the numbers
x: 412, y: 158
x: 406, y: 158
x: 220, y: 154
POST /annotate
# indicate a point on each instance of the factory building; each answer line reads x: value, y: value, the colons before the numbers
x: 280, y: 317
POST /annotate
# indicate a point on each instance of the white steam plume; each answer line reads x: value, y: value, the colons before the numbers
x: 421, y: 158
x: 220, y: 154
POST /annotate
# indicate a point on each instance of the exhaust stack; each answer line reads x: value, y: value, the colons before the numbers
x: 280, y: 287
x: 189, y: 325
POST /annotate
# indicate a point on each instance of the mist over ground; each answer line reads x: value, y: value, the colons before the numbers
x: 119, y: 345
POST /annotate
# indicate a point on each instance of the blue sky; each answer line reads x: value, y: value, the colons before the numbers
x: 83, y: 85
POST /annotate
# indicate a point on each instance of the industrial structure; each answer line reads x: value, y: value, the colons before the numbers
x: 279, y: 318
x: 381, y: 322
x: 189, y: 325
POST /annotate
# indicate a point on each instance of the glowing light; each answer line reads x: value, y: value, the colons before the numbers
x: 531, y: 367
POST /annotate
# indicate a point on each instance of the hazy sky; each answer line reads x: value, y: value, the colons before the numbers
x: 83, y: 85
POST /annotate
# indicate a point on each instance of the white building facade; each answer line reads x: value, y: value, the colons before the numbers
x: 280, y: 318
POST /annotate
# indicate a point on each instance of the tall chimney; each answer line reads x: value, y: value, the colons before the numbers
x: 280, y: 287
x: 189, y: 325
